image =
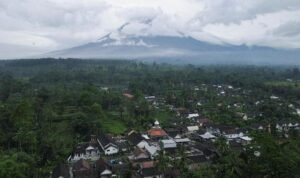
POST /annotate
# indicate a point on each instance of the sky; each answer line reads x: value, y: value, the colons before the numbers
x: 32, y: 27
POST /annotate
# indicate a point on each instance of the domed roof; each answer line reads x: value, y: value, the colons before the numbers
x: 156, y: 123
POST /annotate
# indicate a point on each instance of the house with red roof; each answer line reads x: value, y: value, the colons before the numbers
x: 156, y: 132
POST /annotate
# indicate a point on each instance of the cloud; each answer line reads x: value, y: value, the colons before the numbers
x: 42, y: 26
x: 265, y: 29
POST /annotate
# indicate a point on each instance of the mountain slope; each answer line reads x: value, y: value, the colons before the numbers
x: 121, y: 45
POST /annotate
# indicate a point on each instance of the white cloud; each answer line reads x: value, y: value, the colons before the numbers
x: 261, y: 30
x: 41, y: 26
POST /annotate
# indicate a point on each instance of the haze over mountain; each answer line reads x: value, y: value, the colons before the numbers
x: 226, y: 31
x: 177, y: 47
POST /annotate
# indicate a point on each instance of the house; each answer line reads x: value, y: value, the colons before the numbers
x: 123, y: 145
x: 245, y: 140
x: 150, y: 98
x: 234, y: 134
x: 213, y: 128
x: 298, y: 112
x: 145, y: 136
x: 293, y: 124
x: 192, y: 128
x: 204, y: 121
x: 82, y: 169
x: 61, y: 171
x: 208, y: 149
x: 201, y: 131
x: 152, y: 149
x: 168, y: 144
x: 156, y: 132
x: 139, y: 154
x: 92, y: 152
x: 242, y: 115
x: 280, y: 127
x: 78, y: 153
x: 107, y: 144
x: 245, y: 117
x: 207, y: 136
x: 173, y: 133
x: 283, y: 126
x: 258, y: 126
x: 86, y: 150
x: 231, y: 132
x: 136, y: 139
x: 196, y: 161
x: 103, y: 170
x: 193, y: 115
x: 104, y: 88
x: 182, y: 112
x: 182, y: 140
x: 274, y: 97
x: 127, y: 95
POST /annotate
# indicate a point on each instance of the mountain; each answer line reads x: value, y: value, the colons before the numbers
x: 177, y: 48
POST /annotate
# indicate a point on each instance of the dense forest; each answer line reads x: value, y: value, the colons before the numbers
x: 47, y: 106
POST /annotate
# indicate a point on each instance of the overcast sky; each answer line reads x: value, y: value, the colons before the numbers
x: 30, y: 27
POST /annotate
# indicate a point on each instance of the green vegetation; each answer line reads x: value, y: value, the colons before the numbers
x: 163, y: 117
x: 114, y: 126
x: 285, y: 84
x: 48, y: 106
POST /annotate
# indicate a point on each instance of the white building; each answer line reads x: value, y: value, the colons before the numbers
x: 192, y: 128
x: 194, y: 115
x: 245, y: 140
x: 233, y: 135
x: 107, y: 144
x: 207, y: 136
x: 168, y: 144
x: 85, y: 151
x: 182, y: 140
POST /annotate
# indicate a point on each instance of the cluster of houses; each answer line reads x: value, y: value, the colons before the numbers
x: 137, y: 154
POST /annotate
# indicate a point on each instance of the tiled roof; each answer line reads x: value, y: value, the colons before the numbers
x: 105, y: 140
x: 135, y: 138
x: 101, y: 165
x: 81, y: 165
x: 139, y: 151
x: 157, y: 132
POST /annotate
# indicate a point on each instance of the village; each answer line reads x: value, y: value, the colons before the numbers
x: 157, y: 151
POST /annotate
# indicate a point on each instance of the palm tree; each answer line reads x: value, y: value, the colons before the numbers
x: 163, y: 162
x: 181, y: 163
x: 222, y: 146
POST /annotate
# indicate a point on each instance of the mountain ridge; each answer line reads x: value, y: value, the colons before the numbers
x: 122, y: 45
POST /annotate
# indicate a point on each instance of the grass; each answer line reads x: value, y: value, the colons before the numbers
x: 163, y: 117
x: 114, y: 126
x: 291, y: 84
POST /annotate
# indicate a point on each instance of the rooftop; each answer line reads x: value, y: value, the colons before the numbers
x: 157, y: 132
